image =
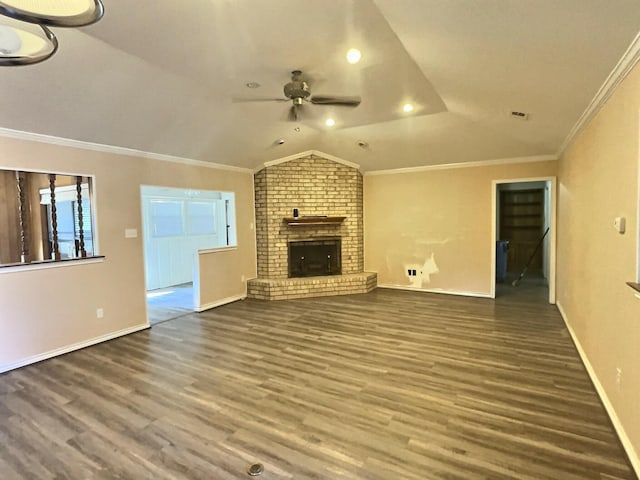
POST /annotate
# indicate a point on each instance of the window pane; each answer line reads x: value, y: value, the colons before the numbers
x: 202, y: 218
x: 166, y: 218
x: 26, y: 216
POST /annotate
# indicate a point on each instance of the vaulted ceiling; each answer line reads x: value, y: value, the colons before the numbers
x: 170, y: 78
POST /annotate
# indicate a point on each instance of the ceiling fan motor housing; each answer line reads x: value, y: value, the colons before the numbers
x: 297, y: 89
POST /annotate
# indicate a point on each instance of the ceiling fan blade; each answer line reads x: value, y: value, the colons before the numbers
x: 294, y: 113
x: 339, y: 101
x: 249, y: 100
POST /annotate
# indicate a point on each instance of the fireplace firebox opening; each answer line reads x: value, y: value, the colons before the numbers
x: 315, y: 258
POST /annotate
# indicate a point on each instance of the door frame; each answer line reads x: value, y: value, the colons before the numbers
x: 552, y: 182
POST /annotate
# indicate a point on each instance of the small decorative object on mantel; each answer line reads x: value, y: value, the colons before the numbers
x: 295, y: 213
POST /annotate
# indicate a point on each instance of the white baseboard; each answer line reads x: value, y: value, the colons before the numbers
x: 428, y: 290
x: 624, y: 439
x: 217, y: 303
x: 70, y: 348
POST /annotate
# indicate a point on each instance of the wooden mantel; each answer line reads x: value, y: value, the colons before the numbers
x: 314, y: 220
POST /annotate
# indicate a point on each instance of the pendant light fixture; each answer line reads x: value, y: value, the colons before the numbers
x: 24, y: 36
x: 25, y: 43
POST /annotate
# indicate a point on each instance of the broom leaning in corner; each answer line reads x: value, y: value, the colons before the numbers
x: 517, y: 280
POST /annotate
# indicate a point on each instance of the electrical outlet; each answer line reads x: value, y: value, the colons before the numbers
x: 618, y: 378
x: 99, y: 313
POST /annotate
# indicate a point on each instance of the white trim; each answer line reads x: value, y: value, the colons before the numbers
x: 98, y: 147
x: 617, y: 425
x: 638, y: 209
x: 494, y: 235
x: 480, y: 163
x: 615, y: 78
x: 71, y: 262
x: 552, y: 229
x: 218, y: 303
x: 435, y: 290
x: 304, y: 154
x: 71, y: 348
x: 195, y: 281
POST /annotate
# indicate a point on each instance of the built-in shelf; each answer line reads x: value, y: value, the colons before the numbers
x: 314, y: 220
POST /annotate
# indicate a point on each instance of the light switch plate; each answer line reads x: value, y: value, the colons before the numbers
x: 131, y: 233
x: 619, y: 224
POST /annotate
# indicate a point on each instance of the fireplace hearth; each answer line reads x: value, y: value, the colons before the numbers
x: 314, y: 258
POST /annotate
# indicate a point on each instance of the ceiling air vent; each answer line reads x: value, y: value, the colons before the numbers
x: 520, y: 115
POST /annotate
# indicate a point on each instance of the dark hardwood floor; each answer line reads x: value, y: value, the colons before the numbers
x: 388, y: 385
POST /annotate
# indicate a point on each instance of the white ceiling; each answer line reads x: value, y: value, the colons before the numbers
x: 161, y: 76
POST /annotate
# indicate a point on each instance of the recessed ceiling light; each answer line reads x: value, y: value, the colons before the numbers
x: 407, y: 107
x: 354, y: 55
x: 297, y: 129
x: 252, y: 85
x: 330, y: 122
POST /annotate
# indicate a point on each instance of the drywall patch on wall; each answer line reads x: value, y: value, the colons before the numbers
x: 411, y: 261
x: 429, y: 268
x: 419, y: 274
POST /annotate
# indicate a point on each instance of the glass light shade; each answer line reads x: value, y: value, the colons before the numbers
x: 10, y: 41
x: 24, y: 43
x: 55, y: 13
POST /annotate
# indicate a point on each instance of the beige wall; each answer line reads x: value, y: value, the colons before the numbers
x: 598, y: 181
x: 437, y: 222
x: 43, y: 311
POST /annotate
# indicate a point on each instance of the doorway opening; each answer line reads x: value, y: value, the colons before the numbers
x: 523, y: 238
x: 177, y: 225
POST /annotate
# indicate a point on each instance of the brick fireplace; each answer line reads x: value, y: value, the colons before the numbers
x: 327, y: 197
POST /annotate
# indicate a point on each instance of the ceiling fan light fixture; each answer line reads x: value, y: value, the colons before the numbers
x: 54, y: 13
x: 25, y: 43
x: 353, y: 55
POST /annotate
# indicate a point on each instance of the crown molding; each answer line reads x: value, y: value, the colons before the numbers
x: 306, y: 153
x: 451, y: 166
x: 615, y: 78
x: 99, y: 147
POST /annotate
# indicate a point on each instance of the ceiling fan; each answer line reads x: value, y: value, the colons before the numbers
x: 298, y: 91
